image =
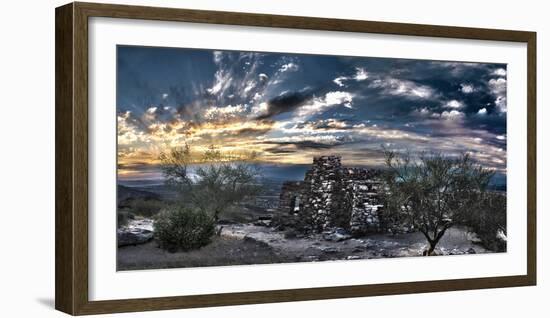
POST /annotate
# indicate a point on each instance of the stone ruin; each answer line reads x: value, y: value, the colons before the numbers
x: 334, y: 196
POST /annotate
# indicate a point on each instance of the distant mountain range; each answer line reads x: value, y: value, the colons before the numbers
x: 272, y: 172
x: 125, y: 193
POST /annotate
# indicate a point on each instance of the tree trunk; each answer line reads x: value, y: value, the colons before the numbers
x: 433, y: 242
x: 432, y: 248
x: 216, y: 219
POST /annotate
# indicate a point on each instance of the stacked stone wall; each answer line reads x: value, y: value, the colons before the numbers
x: 334, y: 196
x: 322, y: 183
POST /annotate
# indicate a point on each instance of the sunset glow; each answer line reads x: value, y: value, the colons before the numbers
x: 287, y: 108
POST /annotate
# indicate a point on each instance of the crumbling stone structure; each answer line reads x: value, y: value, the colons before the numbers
x: 334, y: 196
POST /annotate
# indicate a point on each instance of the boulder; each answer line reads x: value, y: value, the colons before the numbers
x: 336, y: 235
x: 329, y: 250
x: 264, y: 220
x: 133, y: 236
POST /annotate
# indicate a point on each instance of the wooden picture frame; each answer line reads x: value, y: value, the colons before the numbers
x: 72, y: 280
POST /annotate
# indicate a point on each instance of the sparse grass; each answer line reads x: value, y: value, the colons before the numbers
x: 239, y: 214
x: 145, y: 207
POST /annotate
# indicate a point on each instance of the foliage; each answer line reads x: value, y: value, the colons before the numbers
x: 434, y: 192
x: 216, y: 185
x: 174, y: 167
x: 212, y: 154
x: 180, y: 228
x: 219, y: 186
x: 489, y: 220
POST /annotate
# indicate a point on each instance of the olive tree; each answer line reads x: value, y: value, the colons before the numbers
x: 434, y: 192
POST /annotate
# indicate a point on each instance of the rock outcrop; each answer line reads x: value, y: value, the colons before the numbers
x: 135, y: 232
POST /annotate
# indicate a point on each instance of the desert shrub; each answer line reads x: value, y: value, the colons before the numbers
x: 123, y: 216
x: 433, y: 192
x: 181, y: 228
x: 146, y: 208
x: 489, y: 220
x: 221, y: 182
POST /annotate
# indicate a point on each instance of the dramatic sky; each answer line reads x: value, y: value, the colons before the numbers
x: 289, y: 107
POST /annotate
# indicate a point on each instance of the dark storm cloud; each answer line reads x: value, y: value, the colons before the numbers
x: 397, y: 89
x: 308, y: 145
x: 312, y: 144
x: 293, y: 147
x: 287, y: 102
x: 281, y: 150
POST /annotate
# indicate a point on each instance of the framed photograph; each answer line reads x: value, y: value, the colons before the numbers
x: 220, y: 158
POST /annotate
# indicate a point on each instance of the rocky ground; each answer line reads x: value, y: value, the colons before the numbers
x: 221, y: 251
x: 337, y: 245
x: 137, y: 231
x: 240, y: 244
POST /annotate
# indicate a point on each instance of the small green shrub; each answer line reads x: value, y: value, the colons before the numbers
x: 181, y: 228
